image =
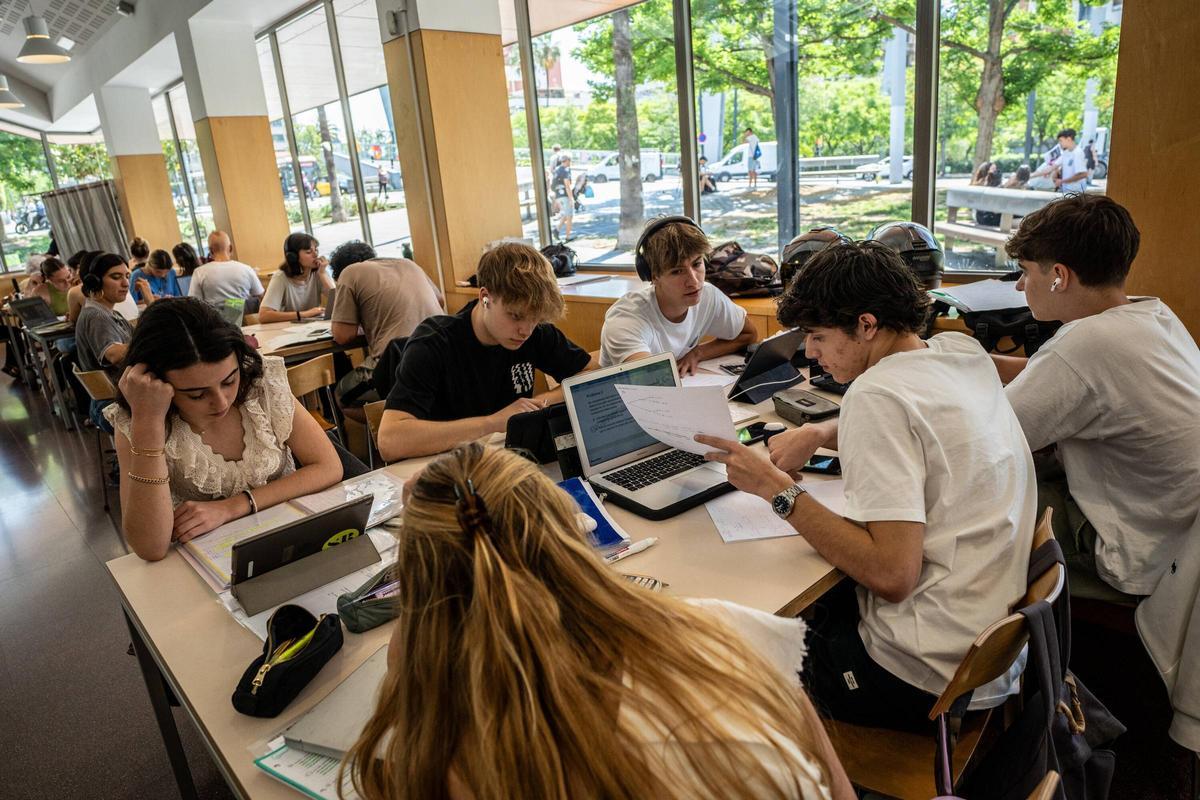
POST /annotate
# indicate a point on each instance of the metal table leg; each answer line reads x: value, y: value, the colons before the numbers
x: 19, y: 353
x: 156, y: 686
x: 59, y: 400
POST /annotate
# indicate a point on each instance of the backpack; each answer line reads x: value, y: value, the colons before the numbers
x: 757, y: 152
x: 989, y: 327
x: 740, y: 274
x: 562, y: 258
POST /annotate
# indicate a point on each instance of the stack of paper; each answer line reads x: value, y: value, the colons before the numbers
x: 742, y: 517
x: 308, y: 773
x: 299, y: 334
x: 212, y: 553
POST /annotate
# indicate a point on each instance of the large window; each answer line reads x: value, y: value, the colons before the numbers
x: 1009, y: 84
x: 23, y: 176
x: 607, y: 101
x: 191, y: 170
x: 171, y: 154
x: 79, y: 157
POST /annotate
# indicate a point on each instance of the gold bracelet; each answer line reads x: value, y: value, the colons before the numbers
x: 151, y: 453
x: 152, y: 481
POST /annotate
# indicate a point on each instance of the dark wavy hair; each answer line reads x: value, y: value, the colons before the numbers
x: 352, y: 252
x: 92, y: 270
x: 177, y: 332
x: 1092, y: 234
x: 293, y: 244
x: 186, y: 258
x: 844, y: 281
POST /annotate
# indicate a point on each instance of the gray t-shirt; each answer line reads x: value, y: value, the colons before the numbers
x: 96, y: 330
x: 285, y: 295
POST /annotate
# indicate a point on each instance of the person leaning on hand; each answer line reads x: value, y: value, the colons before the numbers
x: 207, y: 430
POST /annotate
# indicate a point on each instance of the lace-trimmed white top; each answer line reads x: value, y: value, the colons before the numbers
x: 198, y: 473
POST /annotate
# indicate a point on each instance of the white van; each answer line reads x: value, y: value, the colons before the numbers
x: 609, y: 169
x: 733, y: 165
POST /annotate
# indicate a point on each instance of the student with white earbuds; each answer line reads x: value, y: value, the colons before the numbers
x: 1116, y: 389
x: 463, y: 375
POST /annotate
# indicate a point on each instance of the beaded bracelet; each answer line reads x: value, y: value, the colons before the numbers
x: 143, y: 479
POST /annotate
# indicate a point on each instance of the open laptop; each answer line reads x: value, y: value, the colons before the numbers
x: 769, y: 369
x: 37, y: 316
x: 635, y: 470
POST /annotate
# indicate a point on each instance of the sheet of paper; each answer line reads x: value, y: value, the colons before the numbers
x: 308, y: 773
x: 386, y: 488
x: 741, y: 517
x: 708, y: 379
x: 313, y: 330
x: 674, y: 414
x: 989, y: 295
x: 831, y: 494
x: 214, y: 550
x: 740, y: 413
x: 323, y: 599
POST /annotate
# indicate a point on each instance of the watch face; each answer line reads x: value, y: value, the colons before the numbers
x: 780, y: 504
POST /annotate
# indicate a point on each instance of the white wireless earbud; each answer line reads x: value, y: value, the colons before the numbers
x: 486, y: 302
x: 1055, y: 284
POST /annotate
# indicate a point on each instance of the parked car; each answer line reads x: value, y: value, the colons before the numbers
x: 868, y: 172
x: 609, y: 169
x: 733, y: 165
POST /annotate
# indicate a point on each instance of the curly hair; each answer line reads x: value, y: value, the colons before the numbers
x: 844, y: 281
x: 177, y: 332
x: 352, y: 252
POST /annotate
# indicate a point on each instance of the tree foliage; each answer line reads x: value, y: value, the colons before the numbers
x: 22, y: 167
x: 81, y: 162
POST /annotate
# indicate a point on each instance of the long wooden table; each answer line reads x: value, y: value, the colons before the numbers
x: 186, y: 640
x: 266, y: 332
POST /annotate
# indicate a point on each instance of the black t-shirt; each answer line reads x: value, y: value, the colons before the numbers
x: 447, y: 374
x: 562, y: 174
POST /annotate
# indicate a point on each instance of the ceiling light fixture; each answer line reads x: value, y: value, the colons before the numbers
x: 38, y: 48
x: 7, y: 98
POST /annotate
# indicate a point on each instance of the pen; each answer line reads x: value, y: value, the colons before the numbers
x: 632, y: 549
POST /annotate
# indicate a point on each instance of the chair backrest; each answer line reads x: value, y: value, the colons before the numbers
x: 311, y: 375
x: 374, y: 415
x: 1046, y: 789
x: 994, y: 651
x: 96, y: 383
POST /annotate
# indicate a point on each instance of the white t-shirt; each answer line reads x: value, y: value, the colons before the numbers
x: 1073, y: 162
x: 928, y: 436
x: 751, y: 144
x: 780, y: 641
x: 284, y: 295
x: 1119, y: 392
x: 224, y: 280
x: 635, y: 324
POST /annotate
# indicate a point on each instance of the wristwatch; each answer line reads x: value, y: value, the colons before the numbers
x: 783, y: 503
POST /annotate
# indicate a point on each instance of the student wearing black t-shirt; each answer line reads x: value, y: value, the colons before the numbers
x: 463, y: 375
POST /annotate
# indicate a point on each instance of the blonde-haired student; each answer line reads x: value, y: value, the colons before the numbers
x: 463, y: 375
x: 524, y: 666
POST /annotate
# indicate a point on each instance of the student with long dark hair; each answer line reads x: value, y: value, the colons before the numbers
x: 186, y: 259
x: 207, y: 429
x: 295, y: 291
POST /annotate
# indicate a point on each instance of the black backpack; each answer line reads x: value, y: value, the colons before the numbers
x: 989, y: 327
x: 562, y: 258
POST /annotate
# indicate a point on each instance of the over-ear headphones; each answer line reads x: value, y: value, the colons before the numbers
x: 292, y: 258
x: 90, y: 283
x: 93, y: 279
x: 292, y: 245
x: 639, y: 258
x: 1055, y: 284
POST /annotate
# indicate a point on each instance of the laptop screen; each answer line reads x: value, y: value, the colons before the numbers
x: 33, y: 311
x: 607, y: 428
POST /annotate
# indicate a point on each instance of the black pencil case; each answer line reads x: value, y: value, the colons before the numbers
x: 298, y: 645
x: 361, y: 613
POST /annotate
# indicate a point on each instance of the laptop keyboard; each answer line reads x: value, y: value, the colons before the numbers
x: 653, y: 470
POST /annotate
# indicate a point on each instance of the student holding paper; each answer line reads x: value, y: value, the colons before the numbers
x: 463, y: 375
x: 524, y: 666
x: 678, y: 308
x: 939, y: 487
x: 207, y: 430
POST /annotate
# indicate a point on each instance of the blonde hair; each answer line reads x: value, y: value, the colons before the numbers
x: 672, y: 245
x: 516, y: 650
x: 523, y: 279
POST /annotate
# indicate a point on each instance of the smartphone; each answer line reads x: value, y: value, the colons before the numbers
x: 823, y: 465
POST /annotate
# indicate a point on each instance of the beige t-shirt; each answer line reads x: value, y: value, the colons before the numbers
x: 388, y: 297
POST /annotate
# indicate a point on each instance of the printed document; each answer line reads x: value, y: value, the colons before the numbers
x: 674, y: 414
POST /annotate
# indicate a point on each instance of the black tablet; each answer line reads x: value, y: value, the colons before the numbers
x: 274, y: 548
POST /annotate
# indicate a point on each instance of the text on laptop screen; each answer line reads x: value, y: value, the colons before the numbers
x: 607, y: 429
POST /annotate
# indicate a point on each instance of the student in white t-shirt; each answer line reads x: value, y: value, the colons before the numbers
x: 1117, y: 389
x: 679, y: 308
x: 1072, y: 167
x: 223, y: 278
x: 940, y: 493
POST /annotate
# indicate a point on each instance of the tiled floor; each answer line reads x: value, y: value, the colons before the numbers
x: 75, y: 719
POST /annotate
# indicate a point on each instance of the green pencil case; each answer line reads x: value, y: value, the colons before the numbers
x: 364, y: 608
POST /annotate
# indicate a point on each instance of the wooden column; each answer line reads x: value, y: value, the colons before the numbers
x: 144, y: 193
x: 1155, y: 172
x: 243, y: 187
x: 465, y: 142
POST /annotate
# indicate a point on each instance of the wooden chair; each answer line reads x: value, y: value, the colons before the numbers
x: 98, y: 387
x: 901, y: 764
x: 316, y: 377
x: 374, y: 413
x: 1045, y: 790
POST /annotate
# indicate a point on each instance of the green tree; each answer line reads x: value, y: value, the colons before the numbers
x: 337, y: 213
x: 22, y: 167
x: 81, y: 161
x: 628, y: 143
x: 546, y: 54
x: 999, y: 50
